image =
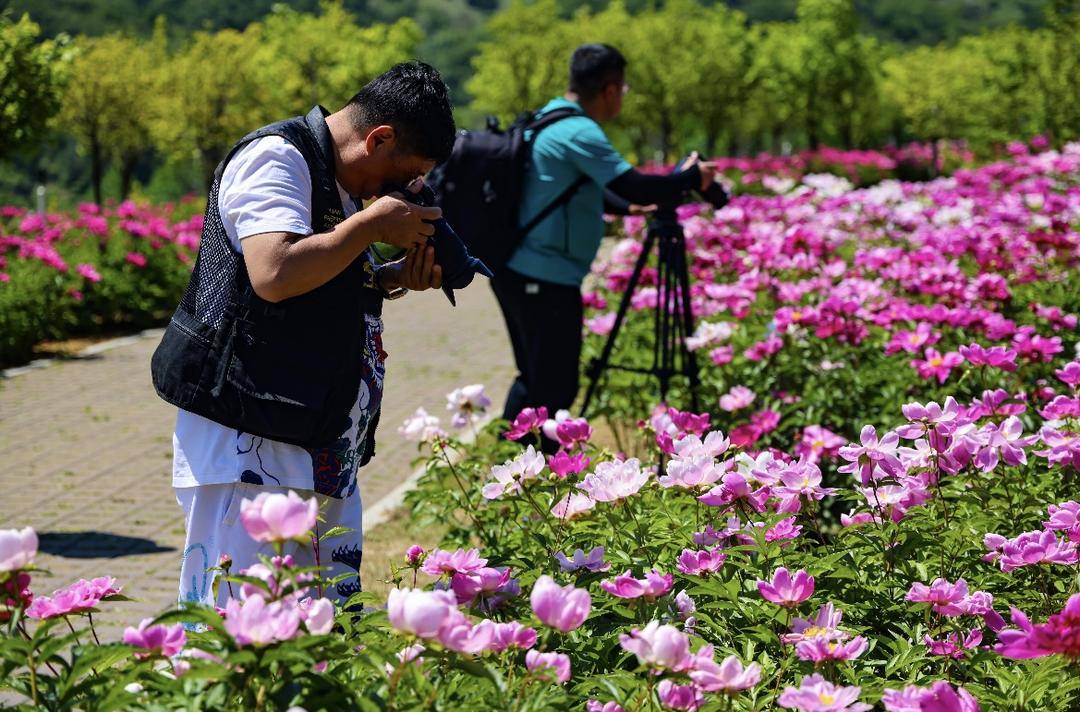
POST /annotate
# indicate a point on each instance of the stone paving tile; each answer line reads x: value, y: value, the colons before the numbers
x: 86, y: 448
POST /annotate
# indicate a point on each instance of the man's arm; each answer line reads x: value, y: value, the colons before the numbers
x: 282, y: 265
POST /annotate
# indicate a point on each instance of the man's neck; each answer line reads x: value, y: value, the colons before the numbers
x: 347, y: 149
x: 591, y: 108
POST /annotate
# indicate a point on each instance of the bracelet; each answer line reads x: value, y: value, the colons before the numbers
x: 396, y: 293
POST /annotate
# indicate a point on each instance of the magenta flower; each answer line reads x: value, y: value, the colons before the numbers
x: 254, y: 621
x: 79, y: 597
x: 994, y: 357
x: 598, y: 706
x: 593, y: 561
x: 728, y: 677
x: 872, y: 455
x: 820, y: 650
x: 439, y: 562
x: 1059, y: 635
x: 563, y: 463
x: 482, y: 582
x: 816, y: 694
x: 951, y: 645
x: 18, y: 547
x: 529, y: 420
x: 512, y: 635
x: 784, y: 530
x: 414, y: 555
x: 421, y: 613
x: 88, y: 272
x: 939, y: 697
x: 801, y: 479
x: 561, y: 607
x: 317, y: 614
x: 700, y: 563
x: 679, y: 697
x: 912, y: 341
x: 601, y: 324
x: 944, y: 597
x: 162, y: 640
x: 1064, y: 517
x: 1070, y: 374
x: 551, y: 667
x: 1002, y: 440
x: 653, y: 586
x: 787, y: 590
x: 615, y: 481
x: 1031, y: 548
x: 936, y: 364
x: 566, y: 430
x: 817, y: 442
x: 136, y: 259
x: 272, y: 516
x: 659, y: 647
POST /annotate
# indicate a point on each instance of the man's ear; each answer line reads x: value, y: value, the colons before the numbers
x: 380, y: 139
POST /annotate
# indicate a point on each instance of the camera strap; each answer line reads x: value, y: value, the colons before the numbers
x: 562, y: 199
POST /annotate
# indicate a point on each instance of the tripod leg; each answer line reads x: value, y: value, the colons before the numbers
x: 689, y: 358
x: 597, y: 368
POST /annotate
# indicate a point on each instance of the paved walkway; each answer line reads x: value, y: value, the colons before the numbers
x: 85, y: 445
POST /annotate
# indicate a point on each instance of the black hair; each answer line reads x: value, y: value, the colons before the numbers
x: 412, y: 98
x: 594, y: 66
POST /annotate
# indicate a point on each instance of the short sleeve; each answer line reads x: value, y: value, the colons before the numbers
x: 590, y: 151
x: 266, y: 187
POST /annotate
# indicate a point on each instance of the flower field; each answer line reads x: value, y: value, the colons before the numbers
x: 96, y: 270
x: 877, y: 508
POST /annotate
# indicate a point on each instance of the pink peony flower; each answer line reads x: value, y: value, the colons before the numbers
x: 512, y: 635
x: 1030, y: 549
x: 88, y: 272
x: 162, y: 640
x: 615, y: 481
x: 551, y: 667
x: 943, y: 596
x: 817, y: 442
x: 936, y: 364
x: 507, y: 477
x: 653, y: 586
x: 728, y: 677
x: 737, y: 398
x: 561, y: 607
x: 468, y: 403
x: 1059, y: 635
x: 414, y: 555
x: 421, y: 613
x: 318, y: 615
x: 1002, y: 441
x: 483, y: 582
x: 529, y: 420
x: 461, y: 635
x: 273, y: 516
x: 601, y: 324
x: 825, y: 625
x: 79, y: 597
x: 421, y: 427
x: 994, y: 357
x: 136, y: 259
x: 1070, y: 374
x: 439, y: 562
x: 254, y: 621
x: 700, y: 563
x: 939, y: 697
x: 572, y: 505
x: 598, y: 706
x: 567, y: 431
x: 593, y: 561
x: 951, y: 645
x: 679, y: 697
x: 1064, y: 517
x: 659, y: 647
x: 816, y: 694
x: 820, y: 650
x: 787, y: 590
x: 18, y: 547
x: 872, y: 455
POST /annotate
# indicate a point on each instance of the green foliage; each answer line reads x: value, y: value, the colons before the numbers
x: 31, y: 74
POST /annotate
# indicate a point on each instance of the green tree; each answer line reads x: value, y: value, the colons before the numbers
x: 31, y: 78
x: 305, y: 59
x: 525, y: 62
x: 211, y: 95
x: 106, y: 104
x: 774, y: 103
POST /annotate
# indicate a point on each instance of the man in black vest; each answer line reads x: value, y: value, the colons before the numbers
x: 274, y: 356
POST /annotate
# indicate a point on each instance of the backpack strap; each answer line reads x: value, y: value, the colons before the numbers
x: 537, y: 125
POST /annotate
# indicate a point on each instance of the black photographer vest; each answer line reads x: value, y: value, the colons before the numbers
x: 288, y: 371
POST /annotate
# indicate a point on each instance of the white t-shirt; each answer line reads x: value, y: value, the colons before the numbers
x: 266, y: 187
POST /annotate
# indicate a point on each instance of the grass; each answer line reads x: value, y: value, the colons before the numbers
x: 384, y: 549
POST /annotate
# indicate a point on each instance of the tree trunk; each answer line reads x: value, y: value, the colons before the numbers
x: 127, y: 175
x: 96, y: 169
x: 666, y: 131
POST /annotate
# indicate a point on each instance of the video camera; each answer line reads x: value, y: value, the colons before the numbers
x: 714, y: 195
x: 458, y: 266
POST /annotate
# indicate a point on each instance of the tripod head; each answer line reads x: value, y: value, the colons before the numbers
x: 714, y: 195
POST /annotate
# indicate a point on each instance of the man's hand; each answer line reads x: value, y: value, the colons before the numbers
x: 416, y: 272
x: 399, y: 222
x: 642, y: 209
x: 708, y: 170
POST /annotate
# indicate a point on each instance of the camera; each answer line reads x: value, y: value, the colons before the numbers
x: 451, y: 254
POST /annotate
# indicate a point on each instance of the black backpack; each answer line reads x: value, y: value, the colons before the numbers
x: 479, y: 187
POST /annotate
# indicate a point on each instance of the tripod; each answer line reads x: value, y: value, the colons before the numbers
x: 673, y: 319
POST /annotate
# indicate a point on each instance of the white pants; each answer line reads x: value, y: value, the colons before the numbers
x: 212, y: 528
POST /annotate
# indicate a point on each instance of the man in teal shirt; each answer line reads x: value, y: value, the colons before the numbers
x: 539, y: 291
